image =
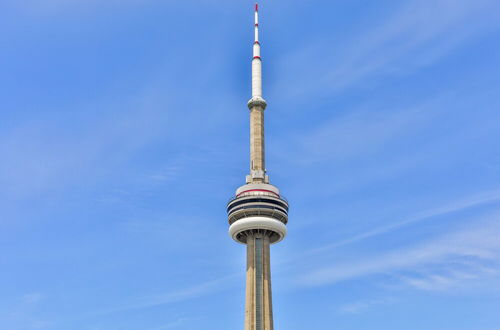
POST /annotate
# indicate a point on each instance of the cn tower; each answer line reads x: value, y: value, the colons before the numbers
x: 258, y: 214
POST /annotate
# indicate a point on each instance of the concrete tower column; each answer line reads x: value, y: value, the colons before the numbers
x: 257, y: 146
x: 258, y: 305
x: 250, y: 288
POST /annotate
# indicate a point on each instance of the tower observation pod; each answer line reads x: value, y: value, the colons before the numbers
x: 257, y: 214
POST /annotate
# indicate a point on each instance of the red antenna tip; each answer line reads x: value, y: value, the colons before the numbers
x: 256, y: 7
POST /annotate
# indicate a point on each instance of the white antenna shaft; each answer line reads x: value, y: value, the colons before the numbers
x: 257, y: 61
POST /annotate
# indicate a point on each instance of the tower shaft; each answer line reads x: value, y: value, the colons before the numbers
x: 257, y: 146
x: 257, y: 105
x: 258, y: 306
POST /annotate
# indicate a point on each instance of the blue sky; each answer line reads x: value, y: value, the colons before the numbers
x: 124, y: 132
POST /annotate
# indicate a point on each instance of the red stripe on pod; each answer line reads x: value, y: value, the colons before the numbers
x: 257, y: 57
x: 256, y: 24
x: 264, y: 190
x: 257, y: 43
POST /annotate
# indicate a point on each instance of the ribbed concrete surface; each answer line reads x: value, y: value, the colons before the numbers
x: 258, y: 306
x: 257, y: 148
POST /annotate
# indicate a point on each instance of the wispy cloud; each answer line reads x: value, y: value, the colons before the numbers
x: 469, y: 253
x: 149, y: 301
x: 165, y: 174
x: 46, y: 7
x: 415, y: 35
x: 56, y: 7
x: 171, y: 325
x: 449, y: 278
x: 403, y: 140
x: 188, y: 293
x: 360, y: 306
x: 32, y: 298
x: 362, y: 132
x: 452, y: 207
x: 45, y: 154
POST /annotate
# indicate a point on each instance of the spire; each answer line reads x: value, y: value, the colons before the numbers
x: 257, y: 23
x: 257, y: 61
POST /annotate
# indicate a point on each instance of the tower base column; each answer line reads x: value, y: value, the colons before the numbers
x: 258, y: 307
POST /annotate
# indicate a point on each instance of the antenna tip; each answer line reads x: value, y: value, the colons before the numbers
x: 256, y: 6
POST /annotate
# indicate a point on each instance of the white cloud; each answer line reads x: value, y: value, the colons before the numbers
x: 41, y: 325
x: 468, y: 254
x: 189, y: 293
x: 57, y: 7
x: 171, y: 325
x: 416, y: 35
x: 46, y: 154
x: 32, y: 298
x: 452, y: 207
x: 46, y: 7
x: 362, y: 305
x: 362, y: 133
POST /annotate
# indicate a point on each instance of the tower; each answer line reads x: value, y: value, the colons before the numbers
x: 258, y: 214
